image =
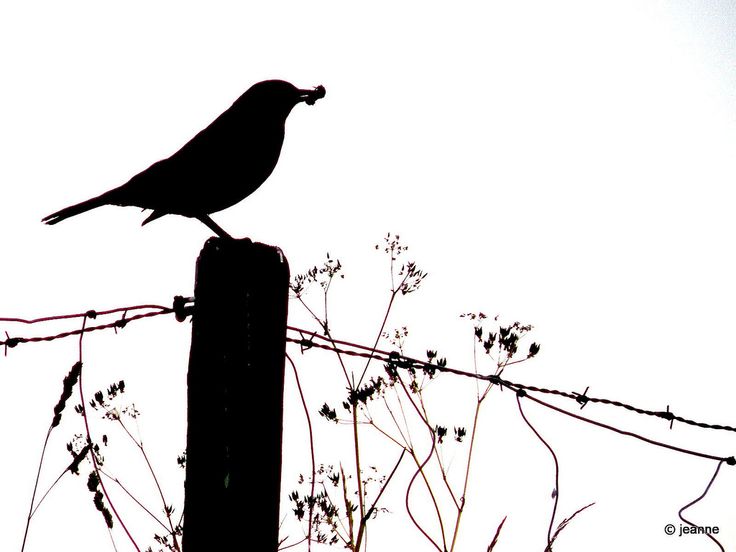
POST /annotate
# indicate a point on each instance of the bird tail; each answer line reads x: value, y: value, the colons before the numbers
x: 67, y: 212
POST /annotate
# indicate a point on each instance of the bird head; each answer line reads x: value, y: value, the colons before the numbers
x: 280, y: 96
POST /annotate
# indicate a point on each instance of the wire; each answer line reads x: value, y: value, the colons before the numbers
x: 180, y: 309
x: 89, y: 314
x: 398, y: 360
x: 690, y: 523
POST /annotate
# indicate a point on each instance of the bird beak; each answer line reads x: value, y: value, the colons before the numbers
x: 311, y: 96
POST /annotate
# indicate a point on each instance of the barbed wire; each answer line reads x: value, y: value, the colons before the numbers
x: 394, y: 360
x: 88, y: 314
x: 180, y: 308
x: 402, y: 361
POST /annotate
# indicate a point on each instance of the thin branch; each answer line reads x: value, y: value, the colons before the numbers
x: 387, y: 435
x: 494, y: 542
x: 134, y: 499
x: 77, y: 459
x: 463, y: 496
x: 705, y: 492
x: 297, y: 543
x: 380, y: 332
x: 557, y: 472
x: 348, y: 509
x: 311, y: 450
x: 328, y: 337
x: 408, y: 508
x: 359, y: 475
x: 35, y: 488
x: 564, y: 524
x: 139, y: 444
x: 370, y: 511
x: 89, y: 440
x: 420, y: 470
x: 406, y: 438
x: 385, y: 484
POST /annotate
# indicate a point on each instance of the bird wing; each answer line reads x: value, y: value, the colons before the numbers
x: 152, y: 188
x: 153, y: 216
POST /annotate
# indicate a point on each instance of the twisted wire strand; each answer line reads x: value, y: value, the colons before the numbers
x: 309, y: 339
x: 403, y: 361
x: 180, y: 309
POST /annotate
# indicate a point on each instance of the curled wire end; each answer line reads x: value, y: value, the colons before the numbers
x: 731, y: 461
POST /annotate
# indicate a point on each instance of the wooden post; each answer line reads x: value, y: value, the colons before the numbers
x: 235, y: 398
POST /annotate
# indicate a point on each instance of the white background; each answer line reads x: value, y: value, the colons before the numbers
x: 566, y: 164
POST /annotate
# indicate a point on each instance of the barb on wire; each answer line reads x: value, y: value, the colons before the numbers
x: 402, y: 361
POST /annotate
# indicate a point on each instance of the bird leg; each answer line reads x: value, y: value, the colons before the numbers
x: 212, y: 225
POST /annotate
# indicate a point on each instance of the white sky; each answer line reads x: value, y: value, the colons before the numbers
x: 566, y: 164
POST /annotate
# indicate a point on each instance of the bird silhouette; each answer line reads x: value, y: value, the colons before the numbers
x: 219, y: 167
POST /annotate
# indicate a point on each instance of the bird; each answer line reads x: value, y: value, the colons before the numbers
x: 222, y: 165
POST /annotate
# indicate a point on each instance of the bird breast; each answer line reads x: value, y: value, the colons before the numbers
x: 235, y: 170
